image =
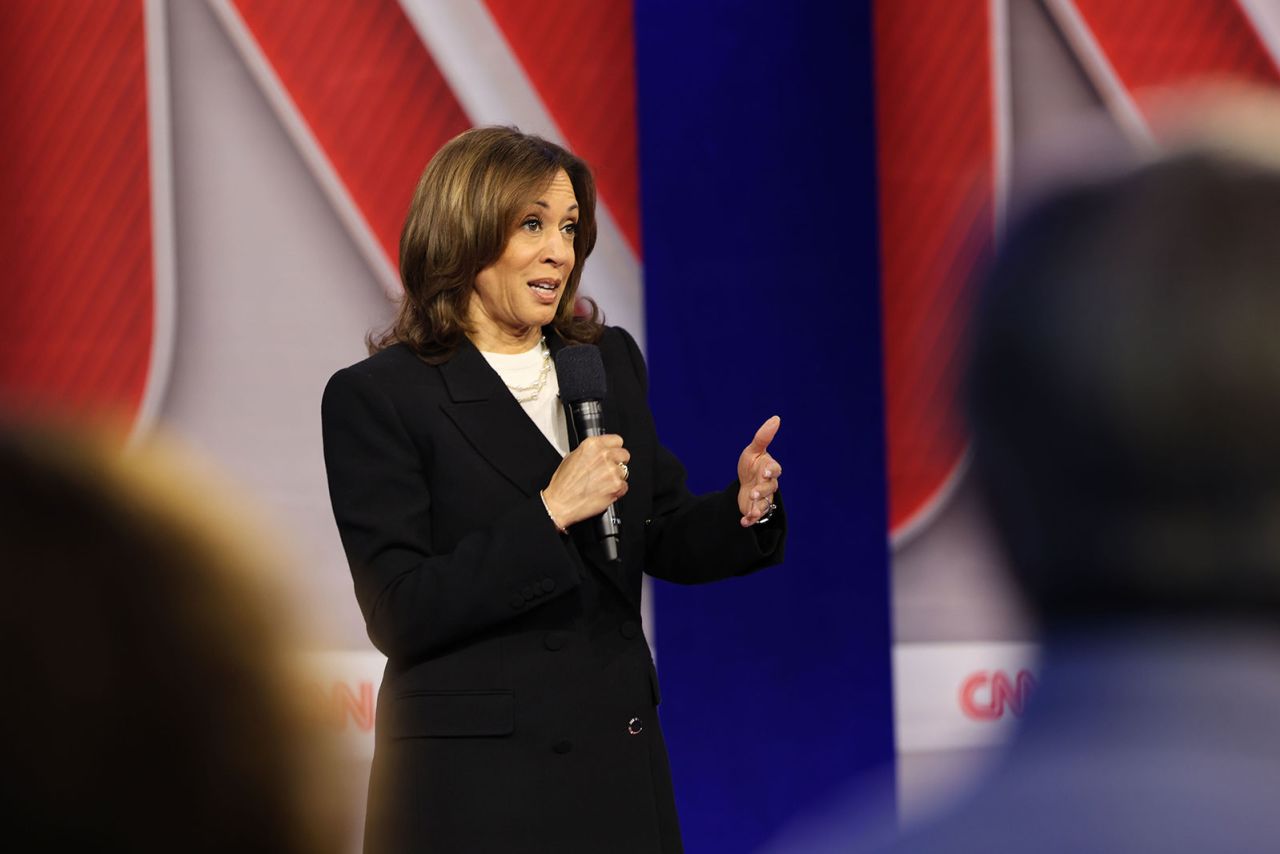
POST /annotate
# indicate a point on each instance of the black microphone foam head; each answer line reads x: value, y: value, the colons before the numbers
x: 580, y: 372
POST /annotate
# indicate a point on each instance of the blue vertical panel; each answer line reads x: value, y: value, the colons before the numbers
x: 761, y: 279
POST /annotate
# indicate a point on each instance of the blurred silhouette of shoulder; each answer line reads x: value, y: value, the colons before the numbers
x: 150, y: 703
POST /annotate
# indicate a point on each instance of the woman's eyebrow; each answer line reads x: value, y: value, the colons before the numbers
x: 540, y: 203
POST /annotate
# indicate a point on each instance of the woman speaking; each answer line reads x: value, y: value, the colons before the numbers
x: 518, y: 708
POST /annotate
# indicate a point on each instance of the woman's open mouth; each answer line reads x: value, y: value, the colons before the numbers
x: 546, y: 290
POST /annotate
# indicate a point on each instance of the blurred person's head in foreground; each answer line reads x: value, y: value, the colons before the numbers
x: 1124, y: 393
x: 150, y: 703
x: 1123, y: 390
x: 1124, y: 398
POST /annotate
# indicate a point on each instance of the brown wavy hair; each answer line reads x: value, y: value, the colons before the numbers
x: 464, y: 210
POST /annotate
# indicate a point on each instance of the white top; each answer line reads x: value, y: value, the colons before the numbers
x: 522, y: 369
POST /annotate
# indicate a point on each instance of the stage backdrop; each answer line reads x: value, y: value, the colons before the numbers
x: 202, y: 203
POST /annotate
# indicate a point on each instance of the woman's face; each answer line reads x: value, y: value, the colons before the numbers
x: 520, y: 292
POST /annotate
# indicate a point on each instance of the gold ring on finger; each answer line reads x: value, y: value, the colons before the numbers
x: 626, y: 472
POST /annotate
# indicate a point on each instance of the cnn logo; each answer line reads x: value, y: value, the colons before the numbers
x: 339, y: 707
x: 986, y: 695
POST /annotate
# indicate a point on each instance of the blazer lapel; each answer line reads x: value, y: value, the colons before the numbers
x: 494, y: 423
x: 501, y: 432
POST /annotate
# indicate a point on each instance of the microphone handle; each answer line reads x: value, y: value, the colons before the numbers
x: 588, y: 420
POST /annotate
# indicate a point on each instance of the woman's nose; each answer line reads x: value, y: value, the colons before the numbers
x: 559, y: 249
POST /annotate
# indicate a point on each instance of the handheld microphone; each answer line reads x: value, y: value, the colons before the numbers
x: 580, y: 373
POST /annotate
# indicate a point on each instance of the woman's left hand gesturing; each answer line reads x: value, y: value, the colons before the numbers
x: 758, y: 474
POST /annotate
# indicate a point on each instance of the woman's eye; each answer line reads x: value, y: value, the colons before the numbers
x: 531, y: 224
x: 570, y: 228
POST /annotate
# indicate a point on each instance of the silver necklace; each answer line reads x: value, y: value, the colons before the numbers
x: 531, y: 392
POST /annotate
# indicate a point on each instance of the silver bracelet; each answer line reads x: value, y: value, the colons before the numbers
x: 559, y: 527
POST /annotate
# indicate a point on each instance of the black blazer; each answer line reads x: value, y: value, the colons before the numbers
x: 518, y: 708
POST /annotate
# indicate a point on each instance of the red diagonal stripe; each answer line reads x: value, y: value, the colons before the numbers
x: 76, y: 305
x: 580, y: 57
x: 936, y: 153
x: 1168, y: 42
x: 371, y: 95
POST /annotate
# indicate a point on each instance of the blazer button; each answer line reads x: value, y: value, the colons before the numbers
x: 564, y: 745
x: 548, y: 584
x: 527, y: 592
x: 635, y: 726
x: 648, y: 521
x: 517, y: 601
x: 553, y: 641
x: 629, y: 629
